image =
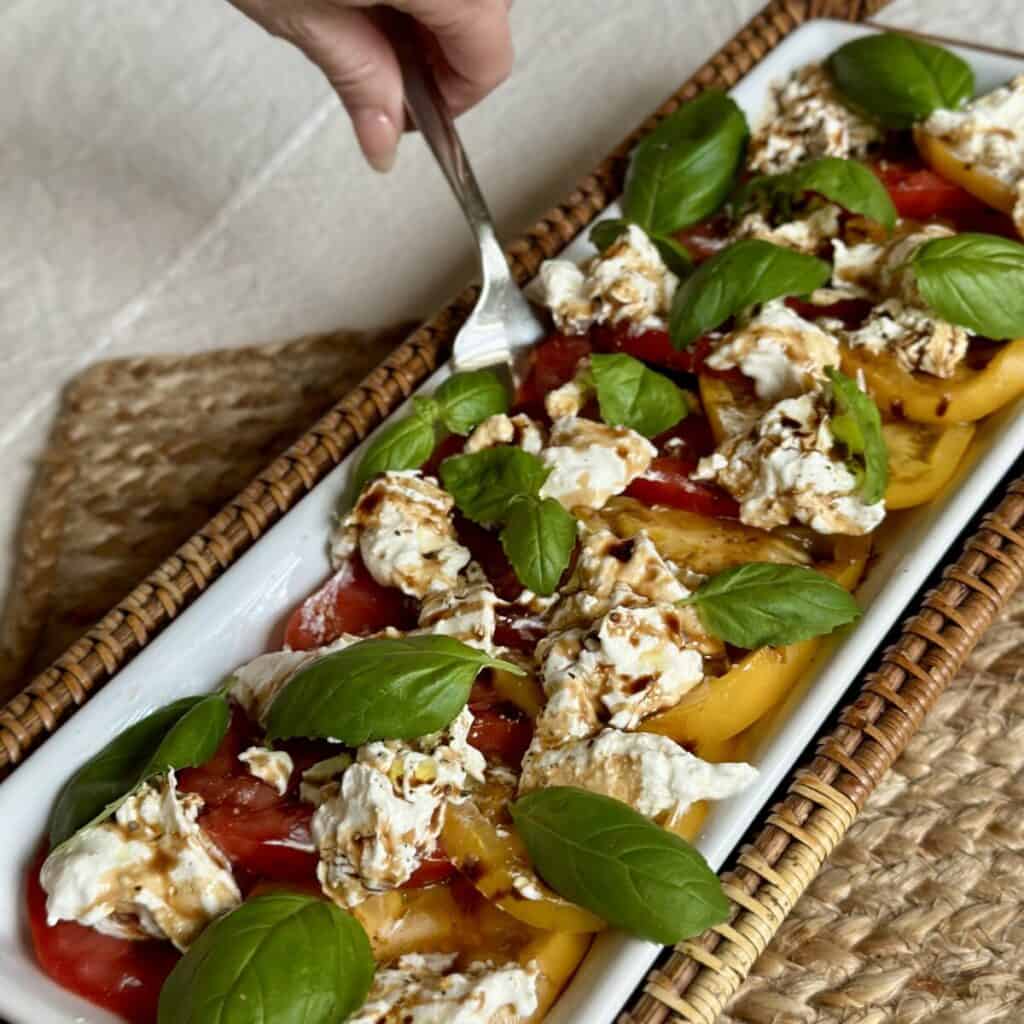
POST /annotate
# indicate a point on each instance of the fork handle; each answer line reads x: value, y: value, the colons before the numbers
x: 429, y: 112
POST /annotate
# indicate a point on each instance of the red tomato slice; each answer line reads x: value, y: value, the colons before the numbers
x: 122, y: 976
x: 667, y: 482
x: 852, y: 312
x: 921, y: 194
x: 653, y: 347
x: 351, y: 601
x: 501, y: 732
x: 705, y: 239
x: 487, y: 552
x: 451, y: 445
x: 552, y: 363
x: 433, y: 869
x: 690, y: 439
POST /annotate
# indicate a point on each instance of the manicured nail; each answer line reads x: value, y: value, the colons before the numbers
x: 378, y: 137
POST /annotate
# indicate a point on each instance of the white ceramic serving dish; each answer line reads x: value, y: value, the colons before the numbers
x: 242, y: 613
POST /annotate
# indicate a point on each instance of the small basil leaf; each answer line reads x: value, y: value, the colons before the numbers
x: 765, y: 604
x: 194, y: 738
x: 747, y: 272
x: 632, y: 395
x: 280, y: 958
x: 538, y: 538
x: 114, y: 771
x: 465, y: 400
x: 849, y: 184
x: 605, y: 232
x: 380, y: 689
x: 599, y: 853
x: 900, y: 80
x: 857, y: 425
x: 674, y: 255
x: 404, y: 444
x: 485, y: 483
x: 976, y: 281
x: 684, y: 170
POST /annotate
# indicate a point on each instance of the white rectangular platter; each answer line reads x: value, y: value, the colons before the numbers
x: 242, y: 614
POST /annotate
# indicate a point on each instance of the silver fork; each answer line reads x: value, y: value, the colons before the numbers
x: 502, y: 324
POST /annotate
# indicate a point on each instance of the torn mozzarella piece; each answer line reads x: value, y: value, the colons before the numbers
x: 806, y: 119
x: 629, y: 283
x: 783, y: 353
x: 590, y: 461
x: 786, y: 467
x: 402, y: 526
x: 633, y: 661
x: 148, y: 872
x: 519, y: 430
x: 386, y: 813
x: 467, y: 612
x: 919, y: 341
x: 274, y: 767
x: 427, y: 989
x: 807, y: 234
x: 651, y: 773
x: 569, y: 399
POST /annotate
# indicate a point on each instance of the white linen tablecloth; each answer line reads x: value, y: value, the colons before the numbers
x: 172, y: 179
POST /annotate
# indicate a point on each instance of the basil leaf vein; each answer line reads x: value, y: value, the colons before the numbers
x: 632, y: 395
x: 466, y: 399
x: 760, y: 604
x: 748, y: 272
x: 282, y: 957
x: 484, y: 484
x: 380, y: 689
x: 538, y: 539
x: 857, y: 425
x: 603, y: 855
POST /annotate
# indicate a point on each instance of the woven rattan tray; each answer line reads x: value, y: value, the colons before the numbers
x: 769, y: 875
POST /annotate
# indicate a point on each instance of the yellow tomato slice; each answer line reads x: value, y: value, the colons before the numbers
x: 556, y: 955
x: 730, y: 410
x: 524, y: 691
x: 965, y: 397
x: 922, y: 459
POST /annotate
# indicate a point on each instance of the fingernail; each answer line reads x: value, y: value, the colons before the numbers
x: 378, y: 137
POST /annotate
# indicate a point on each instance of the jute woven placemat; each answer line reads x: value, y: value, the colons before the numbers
x: 918, y: 917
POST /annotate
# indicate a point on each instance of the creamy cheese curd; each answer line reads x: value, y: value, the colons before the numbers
x: 633, y: 661
x: 519, y: 430
x: 807, y: 119
x: 651, y: 773
x: 919, y: 341
x: 569, y: 399
x: 402, y: 526
x: 375, y: 826
x: 988, y: 133
x: 148, y: 872
x: 629, y: 283
x: 786, y: 468
x: 427, y: 989
x: 274, y: 767
x: 780, y: 351
x: 807, y: 234
x: 590, y: 461
x: 467, y: 612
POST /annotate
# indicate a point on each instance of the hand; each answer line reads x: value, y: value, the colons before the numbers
x: 347, y: 40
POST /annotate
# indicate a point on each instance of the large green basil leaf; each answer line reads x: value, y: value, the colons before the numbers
x: 684, y: 170
x: 976, y: 281
x: 762, y: 604
x: 538, y: 538
x: 403, y: 444
x: 466, y: 399
x: 280, y: 958
x: 380, y: 689
x: 632, y: 395
x: 900, y: 80
x: 606, y: 233
x: 484, y: 484
x: 747, y: 272
x: 601, y: 854
x: 857, y: 425
x: 179, y: 735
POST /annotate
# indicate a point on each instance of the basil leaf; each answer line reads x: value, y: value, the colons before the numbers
x: 404, y: 444
x: 467, y: 399
x: 766, y: 604
x: 856, y: 424
x: 632, y: 395
x: 605, y: 232
x: 900, y: 80
x: 747, y: 272
x: 115, y: 771
x: 684, y: 170
x: 538, y: 539
x: 485, y: 483
x: 603, y: 855
x: 380, y: 689
x: 194, y: 738
x: 674, y: 255
x: 280, y: 958
x: 976, y: 281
